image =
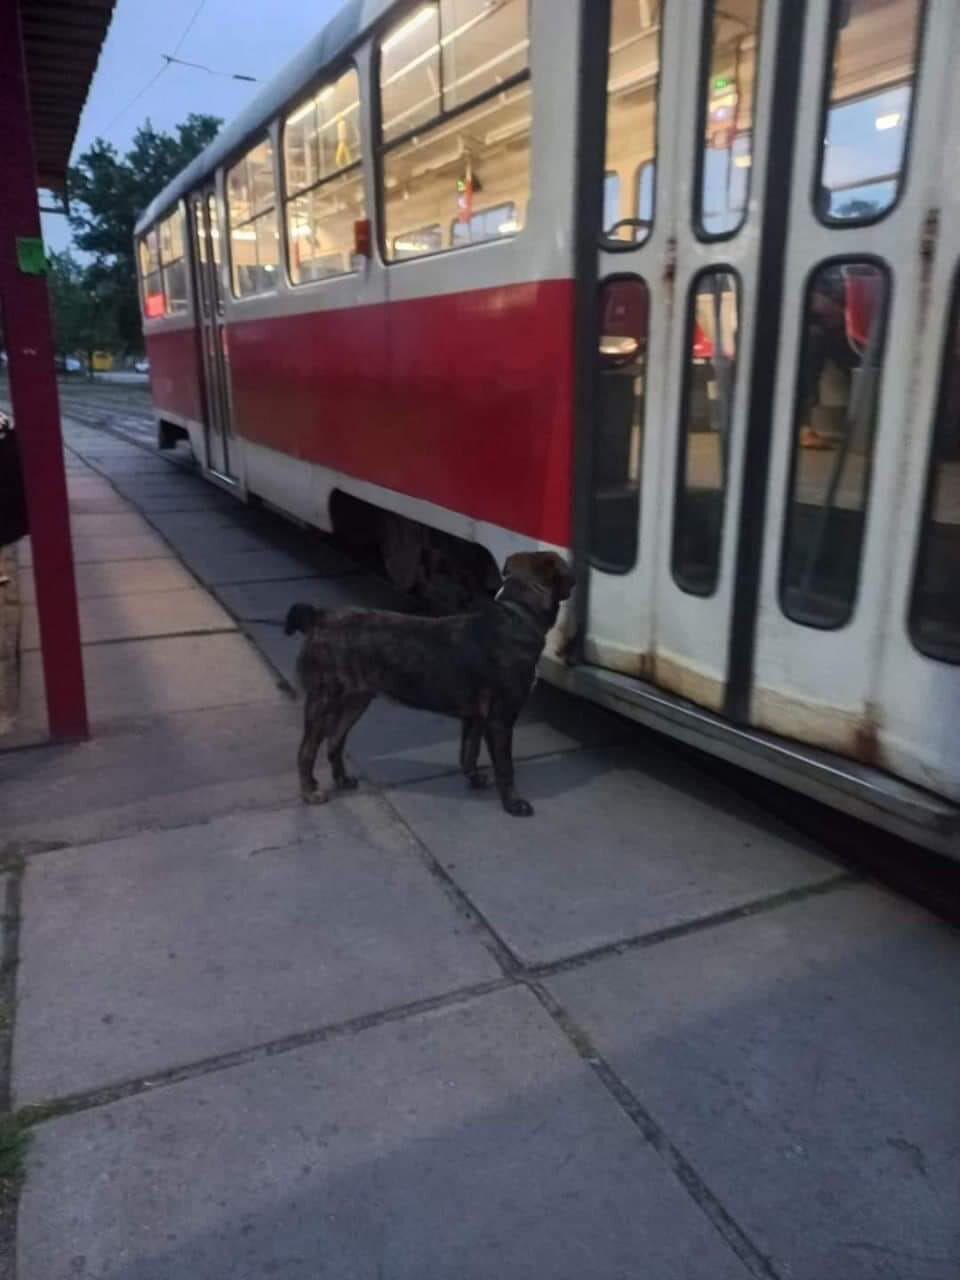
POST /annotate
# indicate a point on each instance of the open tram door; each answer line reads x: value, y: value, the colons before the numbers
x: 211, y: 332
x: 764, y: 299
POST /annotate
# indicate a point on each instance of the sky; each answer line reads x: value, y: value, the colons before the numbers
x: 249, y: 37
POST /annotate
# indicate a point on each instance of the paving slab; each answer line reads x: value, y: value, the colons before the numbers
x: 110, y: 524
x: 113, y: 578
x: 141, y: 546
x: 623, y: 842
x: 220, y: 564
x: 143, y: 954
x: 162, y: 771
x: 151, y: 677
x: 137, y: 616
x: 468, y: 1142
x: 252, y: 600
x: 803, y: 1060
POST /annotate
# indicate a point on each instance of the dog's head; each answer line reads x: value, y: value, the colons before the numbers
x: 547, y: 573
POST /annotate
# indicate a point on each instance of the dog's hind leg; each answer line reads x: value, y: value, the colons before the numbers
x: 471, y: 735
x: 315, y: 720
x: 350, y: 712
x: 499, y: 736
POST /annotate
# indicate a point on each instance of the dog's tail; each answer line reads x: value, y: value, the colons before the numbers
x: 301, y: 617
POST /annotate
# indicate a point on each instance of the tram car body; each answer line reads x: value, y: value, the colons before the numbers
x: 669, y: 287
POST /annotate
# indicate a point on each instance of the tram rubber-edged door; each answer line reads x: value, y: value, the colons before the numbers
x: 677, y: 267
x: 211, y: 331
x: 849, y: 647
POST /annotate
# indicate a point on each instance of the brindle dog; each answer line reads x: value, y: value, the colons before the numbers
x: 477, y: 666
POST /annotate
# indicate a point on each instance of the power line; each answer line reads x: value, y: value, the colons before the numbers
x: 137, y: 96
x: 188, y: 28
x: 163, y: 67
x: 199, y: 66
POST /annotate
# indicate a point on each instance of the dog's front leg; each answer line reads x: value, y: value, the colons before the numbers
x: 499, y: 736
x: 471, y: 735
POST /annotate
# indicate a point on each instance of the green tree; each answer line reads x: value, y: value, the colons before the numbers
x: 80, y: 320
x: 108, y: 192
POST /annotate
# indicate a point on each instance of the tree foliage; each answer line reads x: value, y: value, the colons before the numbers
x: 80, y: 320
x: 108, y: 192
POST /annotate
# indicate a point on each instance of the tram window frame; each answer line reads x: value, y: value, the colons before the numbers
x: 288, y: 196
x: 617, y: 368
x: 885, y: 269
x: 937, y: 652
x: 697, y: 210
x: 633, y: 192
x: 240, y: 157
x: 176, y: 215
x: 389, y: 24
x: 155, y: 272
x: 680, y: 464
x: 817, y: 188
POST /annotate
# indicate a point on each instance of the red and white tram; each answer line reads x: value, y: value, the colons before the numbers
x: 671, y: 285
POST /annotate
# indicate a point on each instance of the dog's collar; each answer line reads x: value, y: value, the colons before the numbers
x: 519, y: 611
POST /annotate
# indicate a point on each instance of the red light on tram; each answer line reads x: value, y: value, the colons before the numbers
x: 363, y: 238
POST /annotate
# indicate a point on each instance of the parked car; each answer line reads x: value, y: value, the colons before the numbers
x: 142, y: 366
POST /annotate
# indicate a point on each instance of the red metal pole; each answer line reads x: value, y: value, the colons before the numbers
x: 33, y: 388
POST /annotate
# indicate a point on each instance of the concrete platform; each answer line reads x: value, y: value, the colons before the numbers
x: 804, y: 1061
x: 155, y: 677
x: 138, y: 616
x: 113, y: 578
x: 623, y: 842
x: 469, y: 1143
x: 86, y: 549
x: 140, y: 955
x: 159, y: 772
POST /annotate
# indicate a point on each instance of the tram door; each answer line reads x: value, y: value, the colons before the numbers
x: 212, y: 333
x: 752, y: 419
x: 678, y: 260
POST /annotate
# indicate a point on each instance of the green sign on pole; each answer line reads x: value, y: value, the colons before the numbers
x: 31, y: 259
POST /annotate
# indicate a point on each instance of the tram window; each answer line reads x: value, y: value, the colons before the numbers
x: 488, y: 224
x: 646, y: 180
x: 151, y: 281
x: 412, y: 244
x: 935, y: 610
x: 704, y: 448
x: 632, y: 87
x: 611, y: 199
x: 619, y: 424
x: 834, y: 427
x: 251, y: 209
x: 483, y: 45
x: 443, y: 149
x: 729, y: 89
x: 173, y: 263
x: 323, y: 180
x: 867, y: 127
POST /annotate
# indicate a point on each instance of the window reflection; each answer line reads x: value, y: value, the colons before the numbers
x: 834, y: 431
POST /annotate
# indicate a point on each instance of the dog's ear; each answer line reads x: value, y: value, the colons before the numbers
x: 560, y: 578
x: 544, y: 569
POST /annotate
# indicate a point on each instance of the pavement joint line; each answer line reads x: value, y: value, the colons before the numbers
x: 162, y: 635
x: 33, y: 1113
x: 699, y: 924
x: 755, y: 1261
x: 513, y: 969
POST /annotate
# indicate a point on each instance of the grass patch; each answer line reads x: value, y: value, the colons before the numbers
x: 14, y: 1141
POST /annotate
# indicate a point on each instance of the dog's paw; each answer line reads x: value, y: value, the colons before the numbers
x: 517, y: 807
x: 347, y: 783
x: 478, y: 780
x: 314, y: 796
